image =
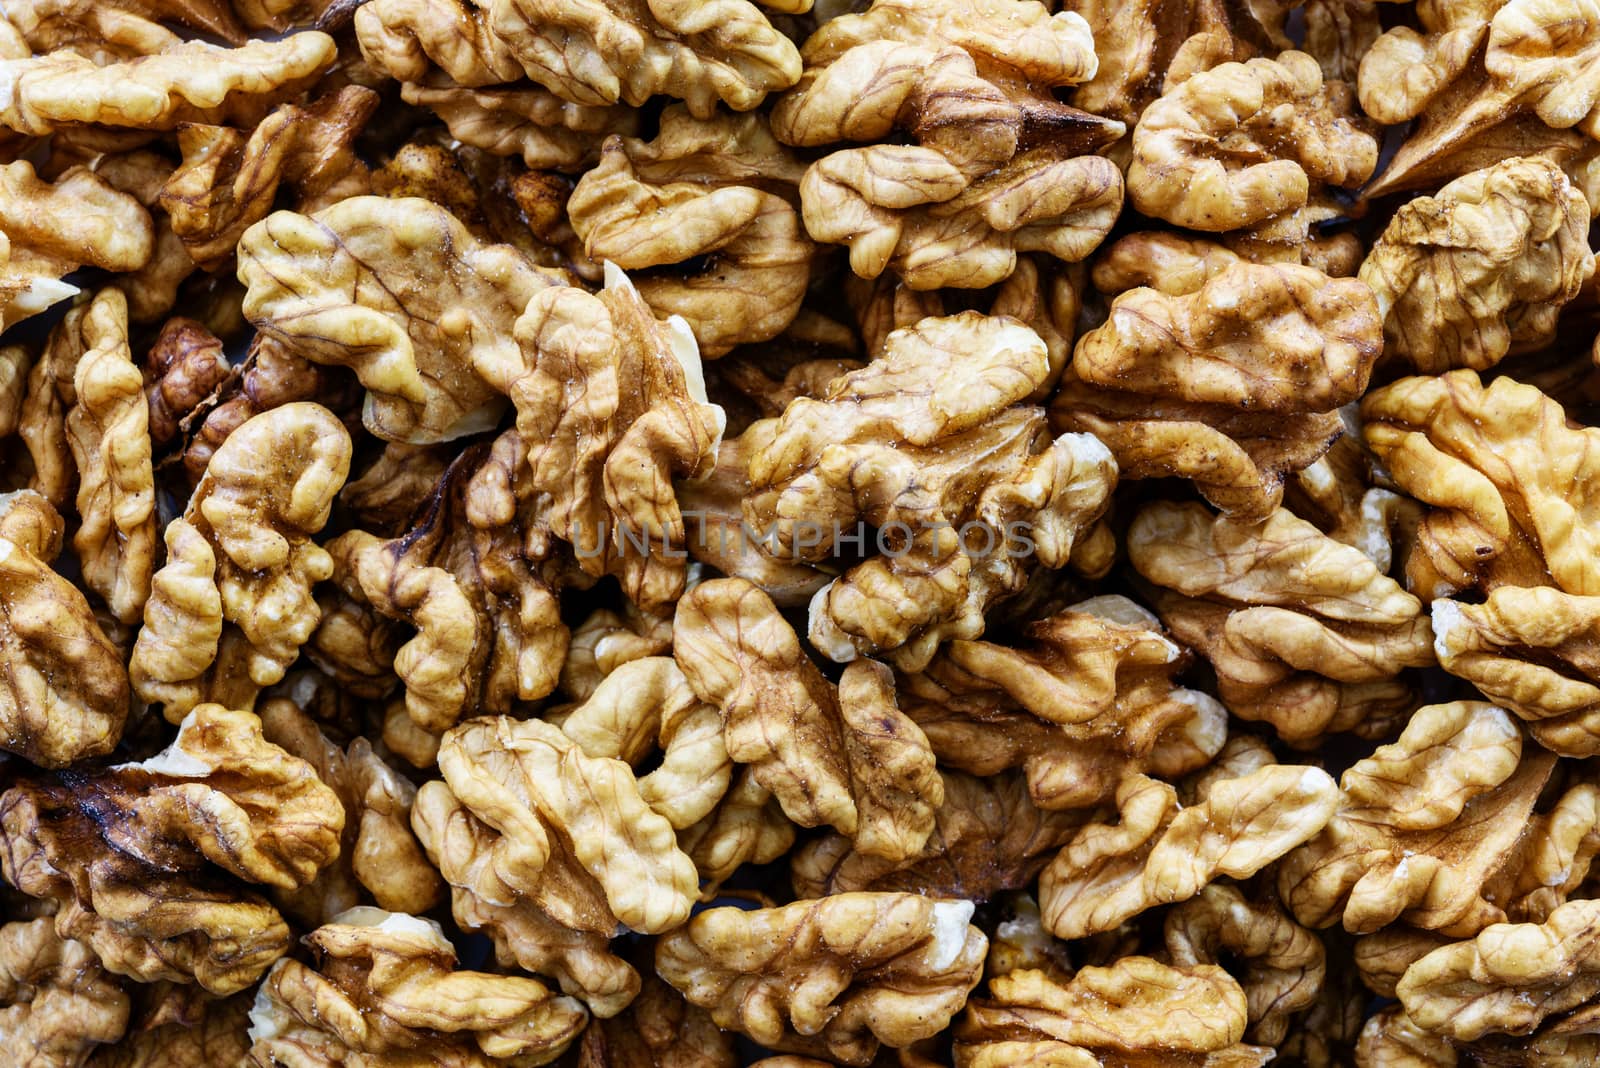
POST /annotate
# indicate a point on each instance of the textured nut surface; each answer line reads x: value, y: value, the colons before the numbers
x: 233, y: 605
x: 836, y: 976
x: 1304, y: 631
x: 133, y: 856
x: 384, y: 989
x: 59, y: 1003
x: 212, y: 1035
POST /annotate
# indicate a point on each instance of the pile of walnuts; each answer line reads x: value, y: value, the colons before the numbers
x: 699, y: 533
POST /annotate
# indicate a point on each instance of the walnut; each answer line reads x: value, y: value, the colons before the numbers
x: 397, y: 485
x: 1482, y: 268
x: 1282, y: 963
x: 988, y: 837
x: 1390, y: 1039
x: 412, y: 39
x: 104, y: 33
x: 708, y: 191
x: 1507, y: 980
x: 611, y: 408
x: 189, y: 82
x: 718, y: 536
x: 526, y: 122
x: 488, y: 625
x: 1156, y: 854
x: 378, y: 853
x: 1250, y: 145
x: 659, y: 1030
x: 229, y: 181
x: 555, y: 850
x: 233, y: 605
x: 1304, y: 632
x: 1553, y: 857
x: 1088, y: 700
x: 1497, y: 466
x: 607, y: 640
x: 846, y: 757
x: 66, y: 692
x: 748, y: 826
x: 384, y: 988
x: 1233, y: 384
x: 1481, y: 82
x: 184, y: 366
x: 1422, y: 825
x: 59, y: 1002
x: 49, y: 229
x: 1138, y: 1011
x: 212, y: 1037
x: 896, y: 446
x: 153, y: 289
x: 134, y: 855
x: 1000, y: 167
x: 609, y: 51
x: 646, y: 709
x: 400, y: 292
x: 836, y: 976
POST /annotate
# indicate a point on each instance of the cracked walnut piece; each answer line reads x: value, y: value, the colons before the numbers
x: 65, y: 696
x: 233, y: 605
x: 934, y: 446
x: 845, y: 756
x: 837, y: 976
x: 710, y: 192
x: 134, y: 855
x: 1481, y: 269
x: 384, y: 990
x: 59, y: 1003
x: 1233, y: 384
x: 1000, y: 167
x: 1304, y: 632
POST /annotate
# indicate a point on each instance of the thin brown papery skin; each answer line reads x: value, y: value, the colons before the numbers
x: 874, y: 533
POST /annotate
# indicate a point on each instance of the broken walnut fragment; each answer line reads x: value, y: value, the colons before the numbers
x: 59, y: 1003
x: 838, y: 976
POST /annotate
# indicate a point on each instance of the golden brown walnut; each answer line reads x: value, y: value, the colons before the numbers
x: 136, y: 856
x: 931, y: 447
x: 1391, y: 1039
x: 846, y: 756
x: 396, y: 486
x: 1137, y: 1012
x: 104, y: 33
x: 1422, y: 825
x: 714, y: 192
x: 1498, y: 467
x: 748, y: 826
x: 1232, y: 385
x: 719, y: 537
x: 645, y: 709
x: 1000, y: 167
x: 401, y: 293
x: 415, y: 40
x: 555, y: 850
x: 153, y: 289
x: 233, y: 605
x: 1281, y: 964
x: 1553, y: 858
x: 107, y: 430
x: 1384, y: 956
x: 355, y: 647
x: 212, y: 1036
x: 186, y: 82
x: 1304, y: 632
x: 228, y: 181
x: 488, y: 625
x: 1159, y: 852
x: 184, y: 366
x: 988, y: 837
x: 836, y: 976
x: 1483, y: 80
x: 1530, y: 648
x: 523, y: 122
x: 1086, y: 700
x: 59, y: 1002
x: 49, y: 229
x: 611, y: 409
x: 1481, y: 269
x: 1250, y: 145
x: 607, y: 640
x: 65, y: 696
x: 659, y: 1030
x: 16, y: 361
x: 383, y: 988
x: 378, y: 853
x: 1507, y: 980
x: 1020, y: 942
